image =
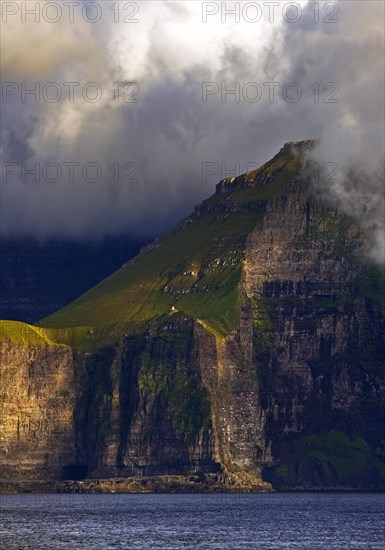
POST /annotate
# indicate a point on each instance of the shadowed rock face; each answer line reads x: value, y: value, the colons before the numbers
x: 320, y: 352
x: 294, y: 392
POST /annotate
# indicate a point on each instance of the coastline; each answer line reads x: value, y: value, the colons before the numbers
x: 210, y: 483
x: 164, y: 484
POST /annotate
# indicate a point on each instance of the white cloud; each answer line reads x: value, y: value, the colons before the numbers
x: 170, y: 132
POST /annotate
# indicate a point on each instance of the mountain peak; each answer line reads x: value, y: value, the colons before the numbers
x: 292, y: 149
x: 198, y: 265
x: 264, y: 175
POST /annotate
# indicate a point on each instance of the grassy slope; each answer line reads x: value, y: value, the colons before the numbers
x: 22, y: 333
x: 195, y: 269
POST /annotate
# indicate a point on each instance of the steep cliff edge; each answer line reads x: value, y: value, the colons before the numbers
x: 37, y: 400
x: 247, y: 344
x: 319, y: 349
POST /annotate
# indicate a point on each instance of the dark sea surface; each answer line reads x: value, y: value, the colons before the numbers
x: 267, y: 521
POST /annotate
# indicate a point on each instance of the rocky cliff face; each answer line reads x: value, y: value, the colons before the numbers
x: 293, y: 392
x: 319, y: 345
x: 37, y: 400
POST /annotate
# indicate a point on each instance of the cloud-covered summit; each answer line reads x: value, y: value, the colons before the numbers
x: 151, y: 151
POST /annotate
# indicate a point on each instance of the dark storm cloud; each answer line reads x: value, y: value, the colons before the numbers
x: 170, y: 132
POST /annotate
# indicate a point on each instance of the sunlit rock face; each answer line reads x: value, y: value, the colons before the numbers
x: 291, y: 391
x: 38, y: 396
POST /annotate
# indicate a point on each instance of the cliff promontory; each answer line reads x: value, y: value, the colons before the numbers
x: 243, y: 348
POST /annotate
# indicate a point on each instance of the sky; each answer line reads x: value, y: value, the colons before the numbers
x: 140, y: 108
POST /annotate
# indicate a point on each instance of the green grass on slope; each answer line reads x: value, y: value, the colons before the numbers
x: 21, y: 333
x: 195, y: 270
x: 81, y: 337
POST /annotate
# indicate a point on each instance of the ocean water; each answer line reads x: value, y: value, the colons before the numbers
x: 307, y: 521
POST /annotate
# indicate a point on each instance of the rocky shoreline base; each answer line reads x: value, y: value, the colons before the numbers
x: 209, y: 483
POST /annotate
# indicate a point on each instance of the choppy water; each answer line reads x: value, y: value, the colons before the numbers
x: 220, y: 522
